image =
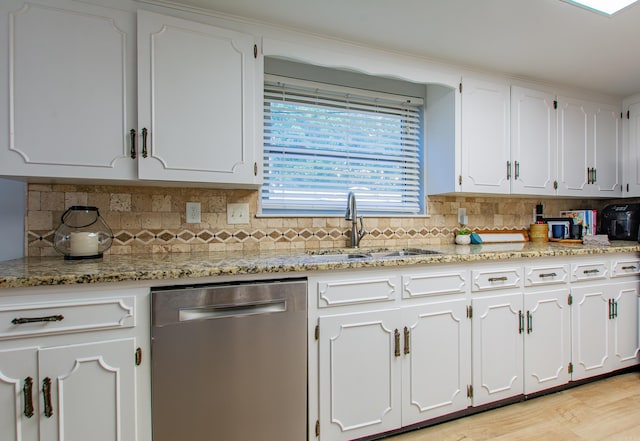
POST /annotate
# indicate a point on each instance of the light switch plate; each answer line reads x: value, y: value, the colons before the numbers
x: 237, y: 213
x: 193, y: 212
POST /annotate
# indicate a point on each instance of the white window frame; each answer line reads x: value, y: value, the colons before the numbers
x: 380, y: 125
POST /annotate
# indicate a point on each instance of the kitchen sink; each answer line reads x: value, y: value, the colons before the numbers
x: 341, y: 255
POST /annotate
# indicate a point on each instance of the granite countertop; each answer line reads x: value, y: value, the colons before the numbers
x: 47, y: 271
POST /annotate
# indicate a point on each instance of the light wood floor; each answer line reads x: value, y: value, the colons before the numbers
x: 608, y: 409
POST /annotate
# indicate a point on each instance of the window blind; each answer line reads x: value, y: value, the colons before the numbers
x: 322, y: 141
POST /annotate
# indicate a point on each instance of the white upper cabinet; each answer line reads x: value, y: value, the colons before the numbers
x: 632, y: 157
x: 68, y: 106
x: 71, y: 109
x: 533, y: 141
x: 197, y: 88
x: 485, y: 158
x: 589, y: 148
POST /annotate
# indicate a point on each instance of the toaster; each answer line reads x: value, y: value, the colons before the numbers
x: 621, y: 221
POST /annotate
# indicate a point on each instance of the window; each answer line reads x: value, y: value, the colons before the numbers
x: 322, y: 141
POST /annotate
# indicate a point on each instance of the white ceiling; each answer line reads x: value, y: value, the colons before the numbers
x: 547, y: 40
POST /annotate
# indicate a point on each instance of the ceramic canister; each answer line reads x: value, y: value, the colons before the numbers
x: 539, y: 232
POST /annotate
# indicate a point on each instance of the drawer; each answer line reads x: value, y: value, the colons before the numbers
x: 626, y: 267
x: 54, y: 318
x: 425, y: 285
x: 486, y: 280
x: 589, y: 271
x: 352, y: 291
x: 545, y: 275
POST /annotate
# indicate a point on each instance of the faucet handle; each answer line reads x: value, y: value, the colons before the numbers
x: 362, y: 231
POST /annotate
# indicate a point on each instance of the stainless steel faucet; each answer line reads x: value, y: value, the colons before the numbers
x: 352, y: 215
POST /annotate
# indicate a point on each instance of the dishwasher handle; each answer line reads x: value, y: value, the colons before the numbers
x: 232, y: 310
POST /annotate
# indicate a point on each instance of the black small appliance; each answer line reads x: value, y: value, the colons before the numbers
x: 621, y: 221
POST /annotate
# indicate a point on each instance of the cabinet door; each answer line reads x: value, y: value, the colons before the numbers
x: 607, y: 158
x: 625, y: 345
x: 590, y: 347
x: 92, y: 393
x: 360, y: 374
x: 485, y: 137
x: 196, y: 102
x: 18, y: 368
x: 533, y: 142
x: 547, y: 343
x: 66, y: 94
x: 575, y: 146
x: 632, y: 163
x: 436, y: 360
x: 497, y: 349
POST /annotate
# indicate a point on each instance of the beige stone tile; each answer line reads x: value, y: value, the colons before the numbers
x: 72, y: 198
x: 131, y: 222
x: 141, y: 203
x: 53, y: 200
x: 33, y: 201
x: 100, y: 200
x: 171, y: 220
x: 40, y: 220
x: 151, y: 220
x: 120, y: 202
x: 39, y: 187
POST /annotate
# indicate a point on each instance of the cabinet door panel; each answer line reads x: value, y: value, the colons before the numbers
x: 69, y: 100
x: 92, y: 391
x: 632, y: 162
x: 359, y: 374
x: 15, y: 367
x: 196, y: 98
x: 437, y: 368
x: 533, y: 141
x: 497, y: 348
x: 590, y: 331
x: 485, y: 137
x: 574, y: 145
x: 625, y: 344
x: 607, y: 160
x: 547, y: 344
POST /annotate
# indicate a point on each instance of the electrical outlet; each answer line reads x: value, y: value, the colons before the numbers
x: 193, y: 212
x: 237, y: 213
x: 462, y: 216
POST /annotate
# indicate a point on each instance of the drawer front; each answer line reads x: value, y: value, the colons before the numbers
x: 53, y: 318
x: 425, y: 285
x: 627, y: 267
x: 352, y: 291
x: 589, y: 271
x: 545, y: 275
x: 487, y: 280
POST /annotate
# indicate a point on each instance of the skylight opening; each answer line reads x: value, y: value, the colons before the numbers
x: 607, y: 7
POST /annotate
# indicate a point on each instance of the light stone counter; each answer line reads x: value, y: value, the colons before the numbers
x: 48, y: 271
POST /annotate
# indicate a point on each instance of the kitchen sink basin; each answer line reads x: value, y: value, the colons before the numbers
x: 340, y: 255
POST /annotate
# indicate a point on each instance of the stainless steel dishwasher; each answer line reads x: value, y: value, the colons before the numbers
x: 229, y: 362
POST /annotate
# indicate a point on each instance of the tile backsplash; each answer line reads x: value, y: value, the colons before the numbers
x: 153, y: 220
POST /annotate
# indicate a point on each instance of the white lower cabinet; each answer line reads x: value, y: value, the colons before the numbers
x: 547, y: 339
x: 497, y: 347
x: 605, y: 328
x: 394, y: 362
x: 70, y: 369
x: 436, y: 366
x: 389, y: 368
x: 360, y: 374
x: 71, y: 392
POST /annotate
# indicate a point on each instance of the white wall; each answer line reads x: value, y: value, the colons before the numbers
x: 12, y: 213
